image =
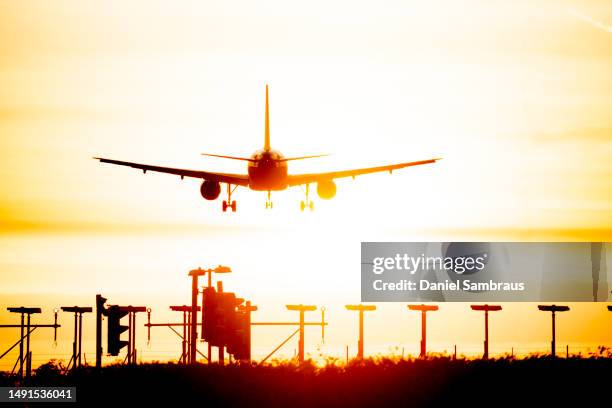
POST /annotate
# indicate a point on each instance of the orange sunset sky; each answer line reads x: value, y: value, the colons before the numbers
x: 515, y: 96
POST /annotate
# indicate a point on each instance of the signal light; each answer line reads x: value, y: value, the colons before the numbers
x: 210, y: 318
x: 238, y: 343
x: 115, y: 344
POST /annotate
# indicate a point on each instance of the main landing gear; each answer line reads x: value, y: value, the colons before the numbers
x: 307, y: 203
x: 229, y: 203
x: 269, y: 201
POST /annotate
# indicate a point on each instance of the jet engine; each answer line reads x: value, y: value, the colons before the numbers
x: 210, y: 190
x: 326, y: 189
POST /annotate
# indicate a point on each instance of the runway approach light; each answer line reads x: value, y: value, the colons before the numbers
x: 553, y: 309
x: 360, y: 309
x: 423, y: 309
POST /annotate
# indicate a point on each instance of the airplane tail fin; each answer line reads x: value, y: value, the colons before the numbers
x: 267, y: 134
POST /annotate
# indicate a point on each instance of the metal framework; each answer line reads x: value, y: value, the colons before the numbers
x: 26, y: 330
x: 75, y: 360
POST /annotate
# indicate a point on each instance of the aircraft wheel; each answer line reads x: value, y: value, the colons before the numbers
x: 224, y: 206
x: 302, y: 206
x: 311, y: 205
x: 233, y: 206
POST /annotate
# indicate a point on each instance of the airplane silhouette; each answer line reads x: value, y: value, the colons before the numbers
x: 266, y: 171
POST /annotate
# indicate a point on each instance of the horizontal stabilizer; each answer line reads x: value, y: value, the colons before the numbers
x: 303, y: 157
x: 229, y: 157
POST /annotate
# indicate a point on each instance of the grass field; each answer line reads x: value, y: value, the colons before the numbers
x: 432, y: 382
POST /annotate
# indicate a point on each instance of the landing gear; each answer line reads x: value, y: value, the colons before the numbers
x: 269, y: 201
x: 307, y: 203
x: 232, y: 205
x: 303, y: 205
x: 229, y: 203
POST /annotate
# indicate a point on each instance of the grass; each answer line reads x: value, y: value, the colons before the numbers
x: 437, y: 381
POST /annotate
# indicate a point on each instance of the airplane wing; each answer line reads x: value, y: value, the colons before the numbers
x: 235, y: 179
x: 299, y: 179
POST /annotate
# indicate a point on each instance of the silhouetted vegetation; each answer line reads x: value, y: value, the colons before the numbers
x: 371, y: 383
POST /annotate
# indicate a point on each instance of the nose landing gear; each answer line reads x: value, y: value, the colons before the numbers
x: 269, y: 201
x: 306, y: 203
x: 229, y: 203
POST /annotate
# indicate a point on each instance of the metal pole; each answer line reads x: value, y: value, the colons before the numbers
x: 98, y: 339
x: 28, y: 354
x: 149, y: 327
x: 99, y: 312
x: 98, y: 331
x: 301, y: 341
x: 80, y: 336
x: 486, y: 309
x: 74, y: 343
x: 55, y: 331
x: 194, y: 319
x: 209, y: 353
x: 553, y: 309
x: 248, y: 328
x: 21, y: 349
x: 204, y: 311
x: 134, y: 338
x: 553, y: 335
x: 184, y: 342
x: 29, y: 366
x: 424, y: 309
x: 423, y: 333
x: 188, y: 338
x: 360, y: 345
x: 486, y: 342
x: 129, y: 345
x: 221, y: 355
x: 221, y: 348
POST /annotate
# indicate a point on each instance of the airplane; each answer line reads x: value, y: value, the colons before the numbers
x: 267, y: 170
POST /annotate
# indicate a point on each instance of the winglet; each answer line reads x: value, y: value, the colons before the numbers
x: 267, y: 134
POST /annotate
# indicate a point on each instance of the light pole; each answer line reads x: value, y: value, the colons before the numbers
x: 195, y: 273
x: 301, y: 309
x: 553, y: 309
x: 78, y: 332
x: 486, y: 309
x: 423, y: 309
x: 360, y: 309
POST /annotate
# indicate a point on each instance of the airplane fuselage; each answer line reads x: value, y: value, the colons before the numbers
x: 267, y: 171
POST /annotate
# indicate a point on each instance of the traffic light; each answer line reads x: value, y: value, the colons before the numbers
x: 229, y: 302
x: 227, y: 324
x: 219, y: 321
x: 239, y: 339
x: 210, y: 318
x: 115, y: 344
x: 228, y: 316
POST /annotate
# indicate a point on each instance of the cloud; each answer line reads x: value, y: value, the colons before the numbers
x: 595, y: 23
